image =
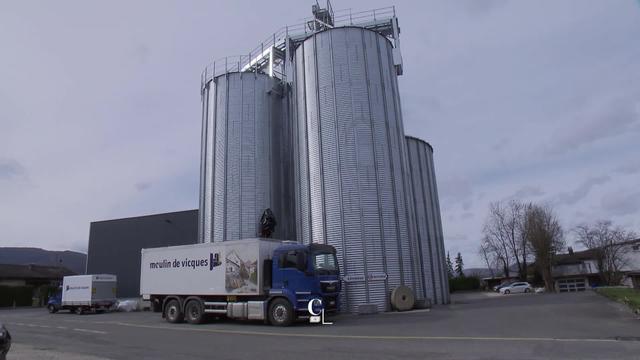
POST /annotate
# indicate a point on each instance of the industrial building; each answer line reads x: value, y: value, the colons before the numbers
x: 114, y: 245
x: 309, y: 126
x: 316, y: 109
x: 428, y: 222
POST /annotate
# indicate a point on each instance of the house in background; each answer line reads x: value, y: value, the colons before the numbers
x: 631, y: 266
x: 575, y: 271
x: 578, y: 270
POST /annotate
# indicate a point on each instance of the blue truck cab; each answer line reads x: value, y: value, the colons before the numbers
x: 302, y: 273
x: 54, y: 303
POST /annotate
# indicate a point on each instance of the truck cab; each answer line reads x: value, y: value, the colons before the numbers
x: 54, y: 303
x: 302, y: 273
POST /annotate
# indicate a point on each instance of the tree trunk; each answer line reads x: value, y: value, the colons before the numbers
x: 548, y: 279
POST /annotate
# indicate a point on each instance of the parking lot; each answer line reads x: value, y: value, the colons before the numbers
x: 475, y: 326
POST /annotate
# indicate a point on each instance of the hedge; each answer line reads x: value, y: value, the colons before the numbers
x: 464, y: 283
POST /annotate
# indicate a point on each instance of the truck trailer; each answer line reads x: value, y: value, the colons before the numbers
x: 81, y: 293
x: 256, y: 279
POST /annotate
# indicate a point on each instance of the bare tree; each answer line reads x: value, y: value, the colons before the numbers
x: 497, y: 252
x: 608, y: 245
x: 504, y: 236
x: 545, y: 238
x: 488, y: 257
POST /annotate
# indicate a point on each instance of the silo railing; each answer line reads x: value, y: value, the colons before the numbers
x: 255, y: 61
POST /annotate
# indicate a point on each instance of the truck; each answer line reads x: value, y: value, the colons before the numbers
x: 252, y: 279
x: 82, y: 293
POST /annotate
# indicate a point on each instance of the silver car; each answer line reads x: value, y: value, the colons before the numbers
x: 516, y: 287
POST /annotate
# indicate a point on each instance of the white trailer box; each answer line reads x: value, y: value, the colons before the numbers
x: 224, y: 268
x: 87, y: 290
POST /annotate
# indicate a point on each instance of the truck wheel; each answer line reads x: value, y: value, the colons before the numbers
x: 194, y: 312
x: 280, y: 312
x: 52, y: 309
x: 172, y: 312
x: 79, y: 310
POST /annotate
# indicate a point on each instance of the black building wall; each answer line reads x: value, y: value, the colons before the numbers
x: 114, y: 245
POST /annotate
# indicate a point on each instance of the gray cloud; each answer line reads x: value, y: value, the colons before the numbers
x: 142, y: 186
x: 456, y: 189
x: 467, y: 215
x: 579, y: 193
x: 500, y: 145
x: 605, y: 118
x: 456, y: 237
x: 527, y: 192
x: 621, y: 203
x: 11, y: 169
x: 629, y: 169
x: 475, y: 7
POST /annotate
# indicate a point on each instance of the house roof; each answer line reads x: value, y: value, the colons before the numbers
x: 579, y: 256
x: 41, y: 272
x: 575, y: 258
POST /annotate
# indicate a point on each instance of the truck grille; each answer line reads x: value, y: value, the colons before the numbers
x: 329, y: 286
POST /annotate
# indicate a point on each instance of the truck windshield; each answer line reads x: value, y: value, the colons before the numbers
x: 325, y: 263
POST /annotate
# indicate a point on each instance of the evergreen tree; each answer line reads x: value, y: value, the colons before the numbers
x: 459, y: 266
x: 449, y: 266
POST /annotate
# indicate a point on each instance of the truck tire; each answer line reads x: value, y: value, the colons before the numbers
x: 52, y: 309
x: 172, y: 312
x: 194, y: 312
x: 280, y: 312
x: 79, y: 310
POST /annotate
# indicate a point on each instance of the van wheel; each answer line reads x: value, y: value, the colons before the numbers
x: 52, y: 309
x: 172, y: 312
x: 194, y: 312
x: 280, y: 312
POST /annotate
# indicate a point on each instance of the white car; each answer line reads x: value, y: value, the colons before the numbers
x: 517, y: 287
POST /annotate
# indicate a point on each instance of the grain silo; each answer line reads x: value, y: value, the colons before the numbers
x: 428, y: 222
x: 352, y: 184
x: 245, y: 161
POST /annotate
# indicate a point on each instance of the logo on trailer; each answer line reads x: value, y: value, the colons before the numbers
x: 214, y: 260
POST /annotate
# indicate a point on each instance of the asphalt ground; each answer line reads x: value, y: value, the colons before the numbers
x: 475, y: 326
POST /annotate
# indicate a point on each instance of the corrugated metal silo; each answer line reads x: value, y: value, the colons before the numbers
x: 246, y: 158
x: 352, y: 183
x: 428, y: 221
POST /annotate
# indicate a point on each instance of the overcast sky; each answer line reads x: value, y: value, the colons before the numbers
x: 100, y: 106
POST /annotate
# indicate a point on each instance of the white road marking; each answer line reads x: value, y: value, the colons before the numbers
x: 372, y: 337
x: 405, y: 312
x: 91, y: 331
x: 59, y: 327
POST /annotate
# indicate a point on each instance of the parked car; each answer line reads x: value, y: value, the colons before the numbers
x: 5, y: 342
x: 516, y: 287
x: 500, y: 286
